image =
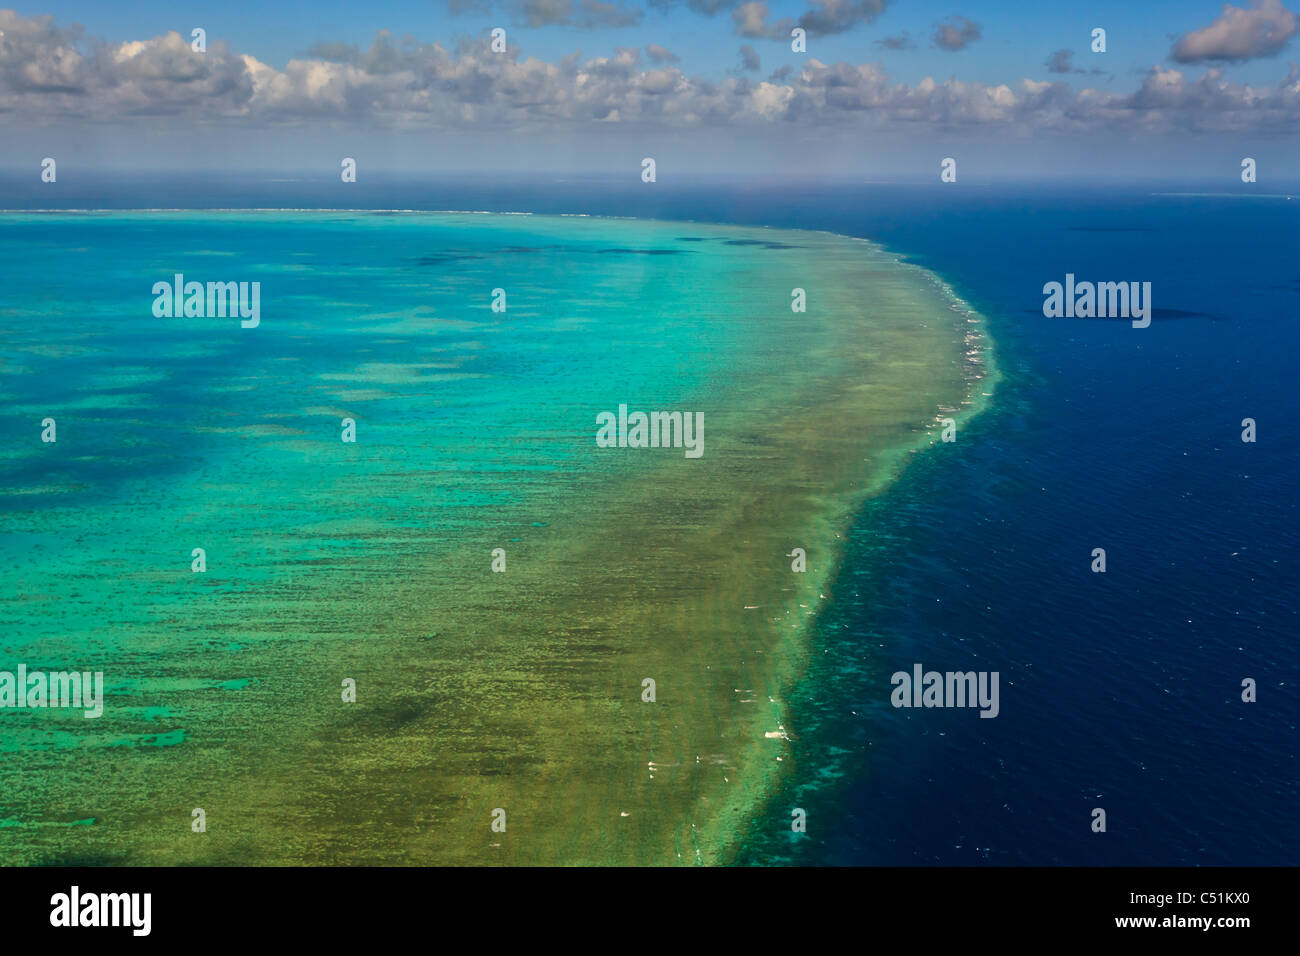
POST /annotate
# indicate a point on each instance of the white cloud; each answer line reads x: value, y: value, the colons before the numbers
x: 48, y: 72
x: 956, y: 33
x: 1239, y: 34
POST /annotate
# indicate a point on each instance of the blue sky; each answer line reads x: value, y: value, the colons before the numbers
x: 286, y: 82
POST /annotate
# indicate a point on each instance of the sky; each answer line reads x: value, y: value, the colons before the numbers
x: 888, y: 88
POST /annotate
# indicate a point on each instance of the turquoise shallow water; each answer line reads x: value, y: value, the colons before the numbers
x: 475, y: 429
x: 170, y: 431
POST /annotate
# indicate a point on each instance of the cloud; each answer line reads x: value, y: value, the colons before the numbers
x: 334, y: 52
x: 708, y: 8
x: 955, y: 33
x: 901, y: 42
x: 36, y: 56
x: 750, y: 17
x: 1239, y: 34
x: 749, y: 58
x: 1059, y: 62
x: 51, y: 74
x: 750, y: 20
x: 594, y: 14
x: 1062, y: 61
x: 839, y: 16
x: 48, y: 67
x: 660, y: 54
x: 582, y: 14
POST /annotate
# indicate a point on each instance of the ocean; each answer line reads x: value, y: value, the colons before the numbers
x: 1119, y: 691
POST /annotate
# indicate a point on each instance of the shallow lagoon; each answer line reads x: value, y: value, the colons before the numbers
x: 476, y: 430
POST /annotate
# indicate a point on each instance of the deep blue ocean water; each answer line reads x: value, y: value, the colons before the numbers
x: 1118, y: 690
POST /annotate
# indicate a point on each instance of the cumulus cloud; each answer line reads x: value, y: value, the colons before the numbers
x: 749, y: 58
x: 839, y: 16
x: 1239, y: 34
x: 660, y: 54
x: 826, y: 17
x: 37, y: 56
x: 45, y: 64
x: 956, y: 33
x: 750, y: 20
x: 49, y: 72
